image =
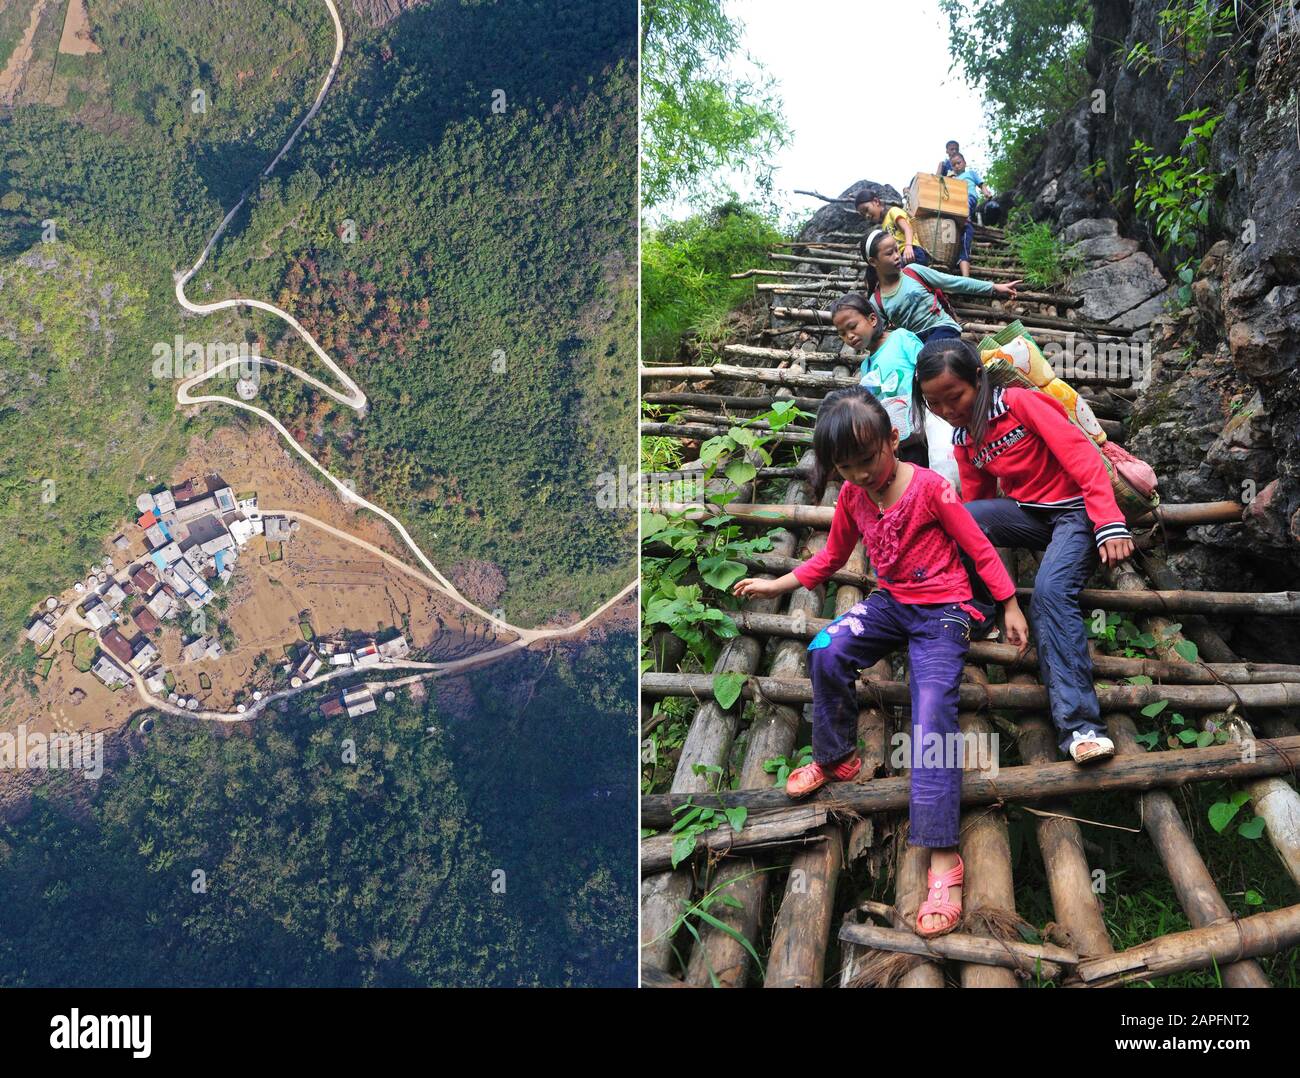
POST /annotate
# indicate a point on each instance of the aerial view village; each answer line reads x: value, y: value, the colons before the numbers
x: 147, y: 620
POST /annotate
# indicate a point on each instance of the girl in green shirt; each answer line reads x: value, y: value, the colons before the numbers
x: 917, y: 304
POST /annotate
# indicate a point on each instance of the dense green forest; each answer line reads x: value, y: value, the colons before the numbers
x: 487, y: 307
x: 476, y: 268
x: 323, y: 871
x: 488, y: 303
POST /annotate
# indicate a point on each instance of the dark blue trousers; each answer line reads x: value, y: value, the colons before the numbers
x: 1064, y: 665
x: 937, y: 639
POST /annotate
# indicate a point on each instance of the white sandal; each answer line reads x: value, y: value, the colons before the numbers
x: 1104, y: 746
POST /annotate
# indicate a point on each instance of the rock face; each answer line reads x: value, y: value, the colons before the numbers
x: 841, y: 216
x: 1220, y: 416
x: 379, y: 12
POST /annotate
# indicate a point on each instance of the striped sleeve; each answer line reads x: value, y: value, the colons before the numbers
x: 1078, y: 457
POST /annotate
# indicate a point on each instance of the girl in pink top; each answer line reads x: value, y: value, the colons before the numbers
x: 912, y: 524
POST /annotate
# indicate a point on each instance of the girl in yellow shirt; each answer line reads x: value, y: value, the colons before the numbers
x: 896, y: 223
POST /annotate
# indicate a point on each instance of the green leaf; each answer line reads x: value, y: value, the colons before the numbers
x: 1187, y: 650
x: 652, y: 524
x: 1152, y: 710
x: 1138, y: 679
x: 683, y: 847
x: 1204, y: 738
x: 1252, y: 828
x: 1239, y: 798
x: 1253, y: 898
x: 1221, y: 814
x: 1187, y: 736
x: 720, y: 573
x: 1148, y: 739
x: 741, y: 472
x: 715, y: 447
x: 736, y: 816
x: 727, y: 687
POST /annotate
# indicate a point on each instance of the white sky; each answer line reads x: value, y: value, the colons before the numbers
x: 832, y: 58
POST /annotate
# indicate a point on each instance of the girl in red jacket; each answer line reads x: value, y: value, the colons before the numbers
x: 1057, y: 498
x: 914, y: 528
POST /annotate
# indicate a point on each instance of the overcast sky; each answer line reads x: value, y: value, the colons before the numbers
x: 840, y: 61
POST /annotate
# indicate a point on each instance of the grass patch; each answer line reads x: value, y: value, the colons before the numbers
x: 686, y: 287
x: 44, y: 667
x: 83, y: 650
x: 169, y: 681
x: 67, y: 642
x: 205, y: 682
x: 307, y: 633
x: 1041, y: 253
x: 274, y: 551
x: 245, y: 495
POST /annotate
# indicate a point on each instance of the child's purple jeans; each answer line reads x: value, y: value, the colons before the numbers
x: 937, y: 638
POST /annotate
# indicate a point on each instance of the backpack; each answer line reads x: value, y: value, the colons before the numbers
x: 1012, y: 357
x: 939, y: 300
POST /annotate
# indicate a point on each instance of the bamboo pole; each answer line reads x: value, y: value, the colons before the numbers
x: 1274, y: 756
x: 1192, y: 882
x: 1075, y: 906
x: 698, y: 430
x: 984, y: 651
x: 708, y: 742
x: 718, y: 400
x: 815, y: 516
x: 1223, y: 942
x: 985, y: 848
x: 718, y: 957
x: 990, y: 954
x: 772, y: 828
x: 798, y: 954
x: 1012, y: 697
x: 800, y: 935
x: 771, y: 375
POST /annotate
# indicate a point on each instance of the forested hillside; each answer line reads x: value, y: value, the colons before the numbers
x: 488, y: 302
x: 477, y: 269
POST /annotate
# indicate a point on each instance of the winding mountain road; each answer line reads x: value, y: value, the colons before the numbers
x: 354, y: 398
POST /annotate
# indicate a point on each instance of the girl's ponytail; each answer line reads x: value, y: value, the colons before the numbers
x: 870, y: 242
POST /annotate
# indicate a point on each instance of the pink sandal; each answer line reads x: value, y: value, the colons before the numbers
x: 938, y: 901
x: 804, y: 780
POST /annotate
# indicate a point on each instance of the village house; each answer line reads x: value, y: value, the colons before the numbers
x: 113, y: 595
x: 366, y: 656
x: 279, y: 529
x: 397, y: 648
x: 108, y: 673
x: 204, y: 647
x: 161, y: 605
x: 144, y: 579
x: 99, y: 616
x: 145, y: 656
x: 359, y: 702
x: 116, y: 645
x: 332, y: 707
x: 39, y: 632
x: 144, y: 620
x: 310, y: 665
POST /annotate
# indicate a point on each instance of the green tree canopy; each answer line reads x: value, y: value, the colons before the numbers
x: 1027, y: 58
x: 698, y: 113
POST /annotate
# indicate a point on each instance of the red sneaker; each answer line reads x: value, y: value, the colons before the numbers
x: 804, y: 780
